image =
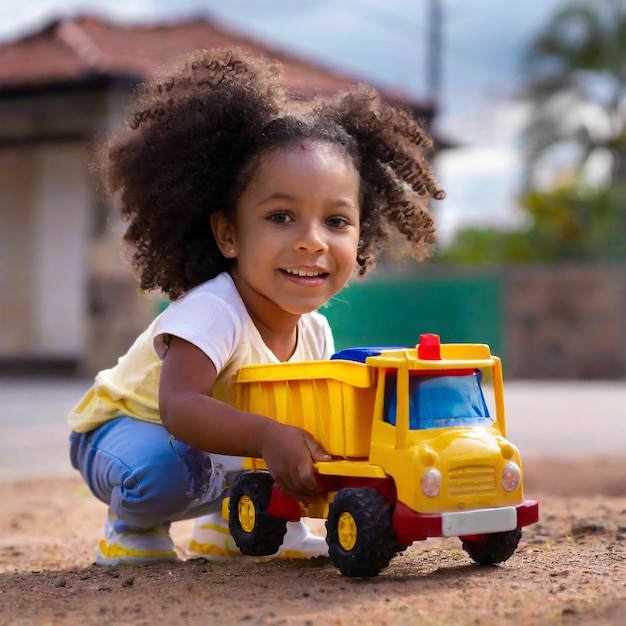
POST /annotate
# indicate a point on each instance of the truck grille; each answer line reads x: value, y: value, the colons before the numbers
x: 472, y: 480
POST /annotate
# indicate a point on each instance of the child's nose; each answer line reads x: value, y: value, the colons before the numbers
x: 311, y: 238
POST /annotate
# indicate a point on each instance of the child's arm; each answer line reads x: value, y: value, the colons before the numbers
x: 190, y: 413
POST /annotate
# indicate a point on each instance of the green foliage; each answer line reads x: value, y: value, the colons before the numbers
x: 568, y: 224
x: 475, y: 246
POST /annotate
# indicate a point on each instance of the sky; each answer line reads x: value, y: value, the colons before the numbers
x: 385, y: 43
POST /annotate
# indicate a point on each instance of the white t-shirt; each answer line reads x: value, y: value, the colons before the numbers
x: 213, y: 317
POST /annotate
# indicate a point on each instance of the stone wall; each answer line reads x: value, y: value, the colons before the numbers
x: 565, y: 322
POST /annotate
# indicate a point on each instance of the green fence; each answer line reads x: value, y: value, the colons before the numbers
x: 395, y: 311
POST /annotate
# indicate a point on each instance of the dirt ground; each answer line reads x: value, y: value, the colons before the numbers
x: 568, y: 569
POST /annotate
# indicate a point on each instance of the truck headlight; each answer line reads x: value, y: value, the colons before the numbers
x: 511, y: 476
x: 431, y: 482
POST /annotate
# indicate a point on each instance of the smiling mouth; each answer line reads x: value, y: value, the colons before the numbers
x: 305, y: 273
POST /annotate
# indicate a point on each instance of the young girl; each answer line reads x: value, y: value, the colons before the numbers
x: 250, y: 211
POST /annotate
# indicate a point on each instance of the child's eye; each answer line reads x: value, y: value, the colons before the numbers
x: 337, y: 222
x: 280, y: 218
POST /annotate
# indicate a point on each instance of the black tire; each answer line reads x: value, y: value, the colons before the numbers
x: 493, y: 548
x: 359, y: 532
x: 255, y: 531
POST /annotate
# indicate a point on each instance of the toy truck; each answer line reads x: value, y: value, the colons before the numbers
x: 416, y: 454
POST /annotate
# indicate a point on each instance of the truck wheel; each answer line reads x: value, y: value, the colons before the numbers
x: 492, y: 548
x: 359, y: 532
x: 255, y: 531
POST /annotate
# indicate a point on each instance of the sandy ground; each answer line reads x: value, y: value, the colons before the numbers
x: 569, y: 569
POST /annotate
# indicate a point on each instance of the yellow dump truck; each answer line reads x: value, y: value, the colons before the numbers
x: 416, y: 454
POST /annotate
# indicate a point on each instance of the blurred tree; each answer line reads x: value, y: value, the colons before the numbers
x: 572, y: 223
x: 576, y: 86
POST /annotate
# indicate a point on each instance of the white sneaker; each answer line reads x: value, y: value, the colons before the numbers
x: 211, y: 539
x: 135, y: 547
x: 301, y: 543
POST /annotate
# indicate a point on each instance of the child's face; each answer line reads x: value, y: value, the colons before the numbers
x: 297, y: 229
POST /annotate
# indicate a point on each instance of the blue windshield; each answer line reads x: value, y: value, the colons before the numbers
x: 440, y: 401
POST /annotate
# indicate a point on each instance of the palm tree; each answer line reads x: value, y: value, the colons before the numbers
x: 576, y: 72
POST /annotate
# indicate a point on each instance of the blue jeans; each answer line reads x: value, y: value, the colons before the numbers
x: 146, y: 476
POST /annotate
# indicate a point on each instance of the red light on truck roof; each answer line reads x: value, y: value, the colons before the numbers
x: 428, y: 349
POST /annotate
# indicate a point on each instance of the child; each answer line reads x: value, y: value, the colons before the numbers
x: 250, y: 211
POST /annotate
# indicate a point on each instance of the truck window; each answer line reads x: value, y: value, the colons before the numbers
x: 440, y: 401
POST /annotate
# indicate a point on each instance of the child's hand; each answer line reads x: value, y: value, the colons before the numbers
x: 289, y: 453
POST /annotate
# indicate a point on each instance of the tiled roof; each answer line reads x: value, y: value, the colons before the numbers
x: 75, y: 50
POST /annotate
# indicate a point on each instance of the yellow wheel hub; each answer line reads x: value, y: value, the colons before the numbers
x: 246, y: 513
x: 346, y: 531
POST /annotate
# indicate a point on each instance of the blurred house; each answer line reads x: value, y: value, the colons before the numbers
x: 68, y: 301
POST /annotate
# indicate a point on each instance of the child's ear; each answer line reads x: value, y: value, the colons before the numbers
x: 224, y: 233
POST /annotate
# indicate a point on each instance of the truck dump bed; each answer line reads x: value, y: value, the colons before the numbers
x: 333, y: 400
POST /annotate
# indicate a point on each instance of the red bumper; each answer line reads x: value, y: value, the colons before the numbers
x: 411, y: 526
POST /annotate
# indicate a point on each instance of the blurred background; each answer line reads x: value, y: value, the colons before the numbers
x: 526, y: 103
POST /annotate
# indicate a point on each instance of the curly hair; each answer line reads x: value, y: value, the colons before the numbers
x: 199, y: 132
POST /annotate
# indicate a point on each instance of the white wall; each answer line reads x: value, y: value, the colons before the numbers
x: 45, y: 212
x: 63, y: 209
